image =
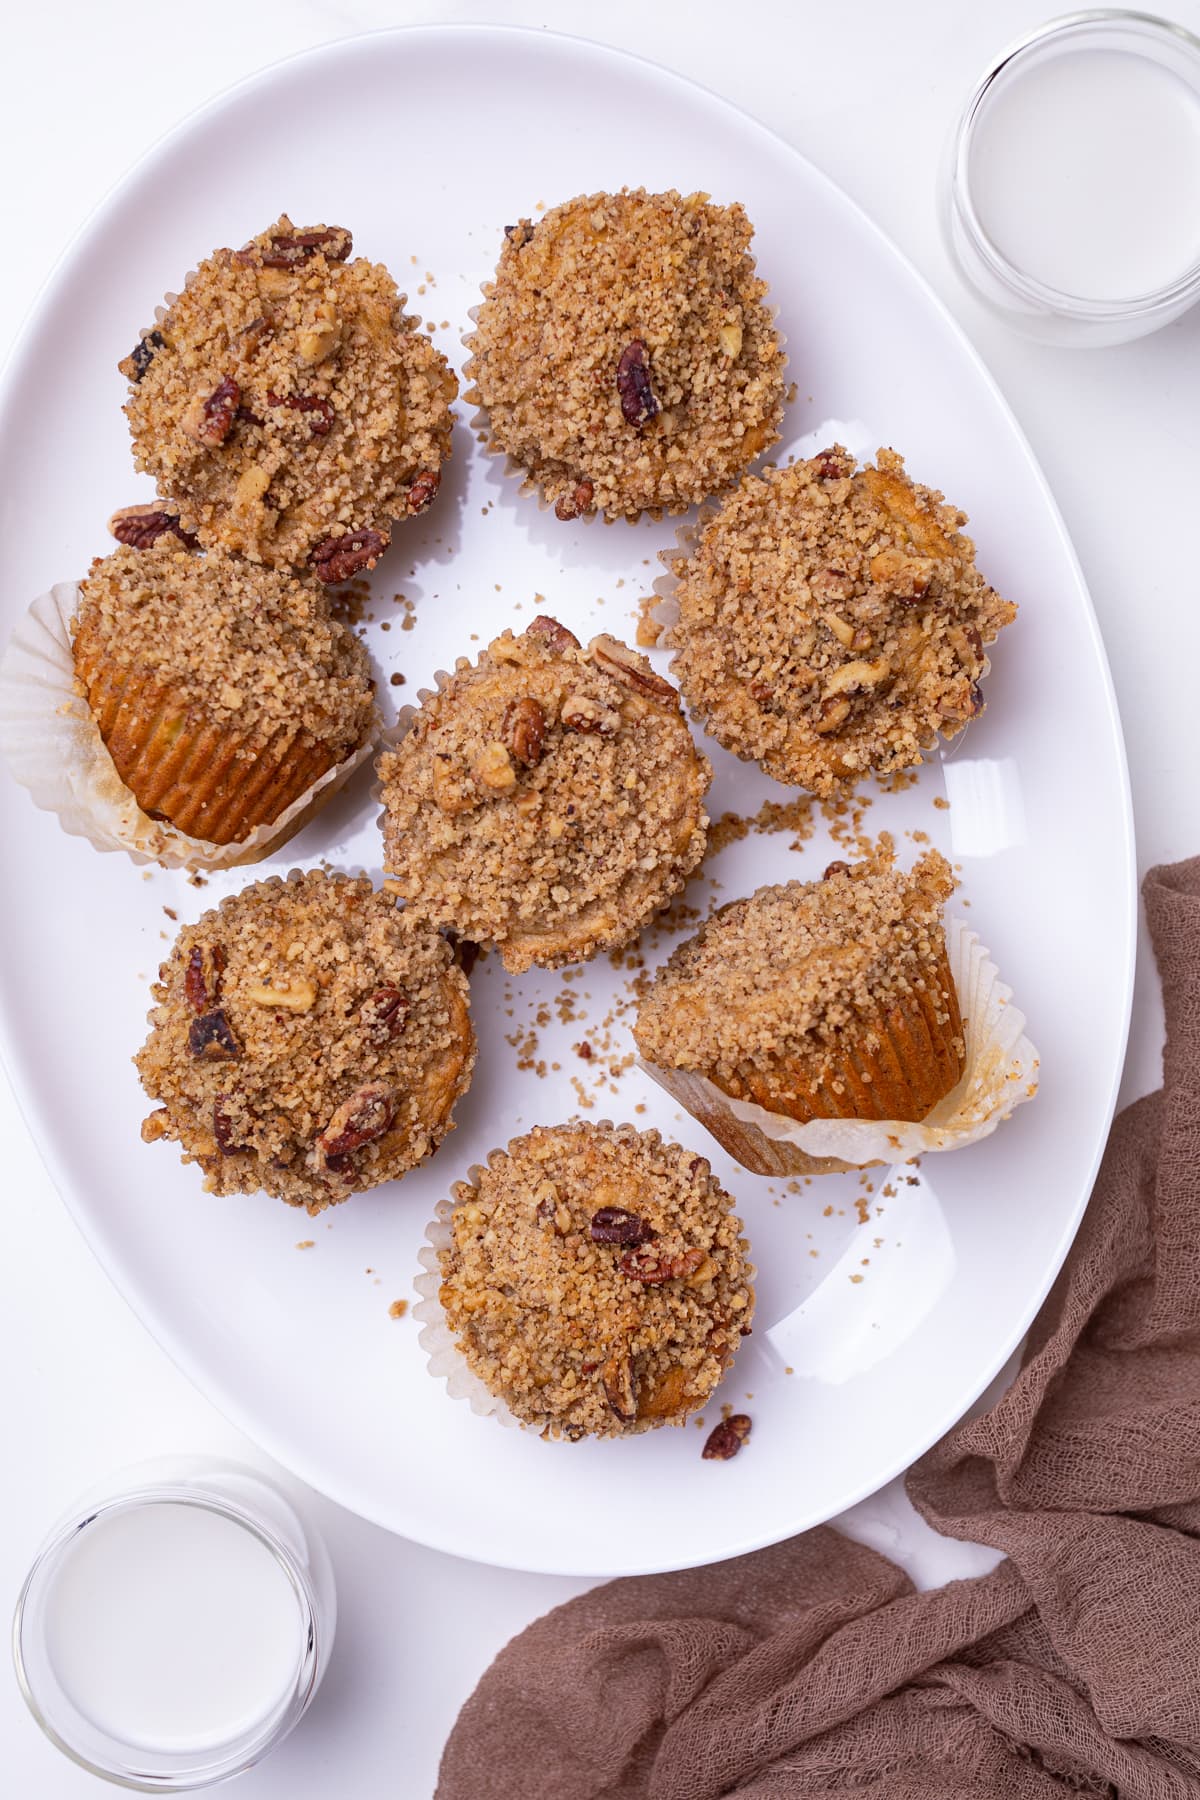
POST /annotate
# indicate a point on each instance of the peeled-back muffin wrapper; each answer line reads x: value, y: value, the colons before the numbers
x: 51, y: 743
x: 480, y: 420
x: 1001, y: 1071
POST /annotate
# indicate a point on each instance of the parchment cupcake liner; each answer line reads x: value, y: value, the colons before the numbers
x: 1001, y: 1072
x: 52, y: 745
x: 447, y: 1362
x: 528, y: 483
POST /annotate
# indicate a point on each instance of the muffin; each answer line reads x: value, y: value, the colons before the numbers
x: 307, y: 1039
x: 829, y: 999
x: 624, y: 355
x: 831, y: 621
x: 595, y: 1280
x: 287, y: 407
x: 222, y: 690
x: 546, y: 799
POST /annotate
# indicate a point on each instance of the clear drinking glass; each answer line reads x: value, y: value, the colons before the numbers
x: 1036, y: 308
x: 280, y: 1546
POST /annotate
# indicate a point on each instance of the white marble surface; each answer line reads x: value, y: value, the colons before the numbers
x: 869, y: 92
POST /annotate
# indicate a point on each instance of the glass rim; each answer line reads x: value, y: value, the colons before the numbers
x: 189, y: 1770
x: 1125, y: 23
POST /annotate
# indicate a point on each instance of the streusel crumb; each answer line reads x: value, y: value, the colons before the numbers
x: 596, y: 1279
x: 547, y: 799
x: 624, y: 353
x: 288, y: 406
x: 832, y: 622
x: 308, y: 1039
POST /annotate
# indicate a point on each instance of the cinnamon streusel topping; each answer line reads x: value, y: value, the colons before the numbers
x: 255, y: 650
x: 832, y: 622
x: 308, y: 1039
x: 546, y: 799
x: 794, y: 974
x: 596, y: 1279
x: 288, y: 407
x: 624, y: 354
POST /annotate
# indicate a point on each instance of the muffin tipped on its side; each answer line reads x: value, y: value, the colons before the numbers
x: 546, y: 799
x: 624, y: 355
x: 595, y: 1280
x: 287, y: 406
x: 307, y: 1039
x: 222, y: 690
x: 828, y: 999
x: 832, y: 623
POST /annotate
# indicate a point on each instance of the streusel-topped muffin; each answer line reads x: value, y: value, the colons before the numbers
x: 624, y: 354
x: 547, y: 798
x: 307, y: 1038
x: 828, y: 999
x: 222, y: 689
x: 596, y: 1280
x: 287, y: 406
x: 832, y: 622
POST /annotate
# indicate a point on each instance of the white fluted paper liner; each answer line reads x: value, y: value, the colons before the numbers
x: 51, y: 743
x: 446, y: 1361
x: 1001, y: 1072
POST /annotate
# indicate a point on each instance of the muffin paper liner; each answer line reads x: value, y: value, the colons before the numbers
x: 446, y: 1361
x: 51, y: 743
x: 480, y: 420
x: 1001, y: 1071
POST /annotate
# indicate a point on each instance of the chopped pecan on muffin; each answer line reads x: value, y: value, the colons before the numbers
x: 832, y: 622
x: 222, y: 690
x: 596, y: 1280
x: 286, y: 405
x: 547, y: 799
x: 828, y: 999
x: 307, y: 1039
x: 624, y: 354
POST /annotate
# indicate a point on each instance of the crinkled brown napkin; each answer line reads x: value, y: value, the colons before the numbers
x: 815, y: 1668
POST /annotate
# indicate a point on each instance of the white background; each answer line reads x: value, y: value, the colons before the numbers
x: 869, y: 92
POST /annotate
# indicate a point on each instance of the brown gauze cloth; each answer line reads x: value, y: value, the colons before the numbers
x: 816, y: 1668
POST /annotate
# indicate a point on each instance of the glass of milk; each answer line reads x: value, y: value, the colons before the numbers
x: 175, y: 1626
x: 1071, y: 193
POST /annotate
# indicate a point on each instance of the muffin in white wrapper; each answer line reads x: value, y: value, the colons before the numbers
x: 446, y: 1361
x: 1001, y: 1071
x: 51, y: 743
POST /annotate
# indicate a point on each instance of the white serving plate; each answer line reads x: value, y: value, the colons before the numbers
x: 426, y: 142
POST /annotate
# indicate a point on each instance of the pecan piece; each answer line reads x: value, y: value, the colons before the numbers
x: 519, y: 235
x: 320, y: 413
x: 831, y: 714
x: 630, y: 667
x: 523, y: 729
x: 977, y: 700
x: 424, y: 488
x: 556, y: 637
x: 210, y: 421
x: 202, y: 977
x: 382, y: 1013
x: 907, y: 577
x: 832, y: 465
x: 223, y: 1126
x: 359, y: 1120
x: 613, y: 1225
x: 727, y: 1438
x: 580, y: 713
x: 134, y: 366
x: 648, y: 1267
x: 620, y: 1388
x: 835, y: 868
x: 633, y: 384
x: 298, y: 996
x: 493, y: 768
x: 211, y: 1039
x: 338, y: 558
x: 288, y: 249
x: 576, y: 503
x: 141, y: 527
